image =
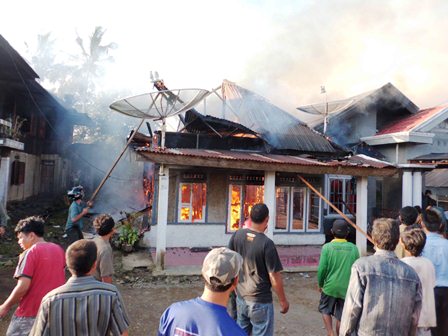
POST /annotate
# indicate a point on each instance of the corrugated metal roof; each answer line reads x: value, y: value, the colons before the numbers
x: 361, y: 161
x: 437, y: 178
x: 410, y: 123
x: 278, y: 128
x: 11, y: 62
x: 335, y: 108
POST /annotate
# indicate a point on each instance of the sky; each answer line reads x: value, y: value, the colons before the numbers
x: 284, y: 50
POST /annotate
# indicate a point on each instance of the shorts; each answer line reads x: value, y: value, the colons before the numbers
x: 330, y: 305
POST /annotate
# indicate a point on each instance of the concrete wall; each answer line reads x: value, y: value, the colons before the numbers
x: 213, y: 232
x: 217, y: 200
x: 203, y: 235
x: 32, y: 177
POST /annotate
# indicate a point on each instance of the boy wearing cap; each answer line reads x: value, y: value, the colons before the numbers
x: 207, y: 315
x: 333, y: 274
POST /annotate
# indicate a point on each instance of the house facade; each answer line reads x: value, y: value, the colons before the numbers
x: 34, y: 132
x: 385, y: 124
x: 208, y: 176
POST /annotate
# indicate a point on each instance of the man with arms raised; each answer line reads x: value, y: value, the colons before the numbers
x: 261, y: 271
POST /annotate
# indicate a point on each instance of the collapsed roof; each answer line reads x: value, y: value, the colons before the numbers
x: 243, y: 114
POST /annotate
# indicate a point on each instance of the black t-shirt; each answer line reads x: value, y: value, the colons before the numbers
x: 260, y: 258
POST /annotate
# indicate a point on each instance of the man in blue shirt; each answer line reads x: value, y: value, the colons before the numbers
x: 78, y: 209
x: 436, y: 250
x: 207, y: 315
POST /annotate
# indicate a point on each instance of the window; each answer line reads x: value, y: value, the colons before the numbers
x: 342, y: 193
x: 192, y: 202
x: 297, y: 209
x: 241, y: 200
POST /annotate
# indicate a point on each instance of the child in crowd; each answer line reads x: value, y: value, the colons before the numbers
x: 413, y: 240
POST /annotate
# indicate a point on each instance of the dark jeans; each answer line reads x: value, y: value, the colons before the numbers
x: 73, y: 234
x: 441, y: 297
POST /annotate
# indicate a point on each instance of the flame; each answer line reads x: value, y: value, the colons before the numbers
x: 254, y: 194
x: 148, y: 186
x: 185, y: 213
x: 235, y: 208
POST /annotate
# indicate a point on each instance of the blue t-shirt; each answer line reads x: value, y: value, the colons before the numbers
x: 74, y: 210
x: 197, y: 317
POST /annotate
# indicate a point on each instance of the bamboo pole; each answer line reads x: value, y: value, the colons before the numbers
x: 335, y: 208
x: 116, y: 162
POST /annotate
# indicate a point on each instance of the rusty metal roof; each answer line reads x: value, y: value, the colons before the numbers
x: 262, y: 161
x: 413, y: 122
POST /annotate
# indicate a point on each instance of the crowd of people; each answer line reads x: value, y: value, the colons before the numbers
x: 402, y: 289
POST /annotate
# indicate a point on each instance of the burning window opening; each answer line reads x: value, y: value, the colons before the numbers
x: 242, y: 199
x: 192, y: 202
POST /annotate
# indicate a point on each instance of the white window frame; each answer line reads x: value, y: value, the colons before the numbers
x: 308, y: 202
x: 306, y: 212
x: 190, y: 205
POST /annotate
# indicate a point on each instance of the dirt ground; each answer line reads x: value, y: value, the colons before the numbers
x: 146, y: 297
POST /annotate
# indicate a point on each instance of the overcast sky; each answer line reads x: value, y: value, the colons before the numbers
x: 284, y: 50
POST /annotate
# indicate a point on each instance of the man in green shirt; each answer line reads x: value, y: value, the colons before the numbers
x: 333, y: 274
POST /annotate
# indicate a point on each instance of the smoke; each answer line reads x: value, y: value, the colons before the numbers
x: 352, y: 47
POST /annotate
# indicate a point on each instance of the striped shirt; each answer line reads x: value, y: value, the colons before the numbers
x: 83, y: 306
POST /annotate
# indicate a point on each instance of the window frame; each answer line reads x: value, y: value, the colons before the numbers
x: 181, y: 205
x: 307, y: 194
x: 243, y: 192
x: 345, y: 179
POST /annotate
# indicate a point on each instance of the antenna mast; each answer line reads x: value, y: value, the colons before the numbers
x: 323, y: 91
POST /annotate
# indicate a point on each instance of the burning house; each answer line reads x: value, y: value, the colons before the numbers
x: 209, y: 173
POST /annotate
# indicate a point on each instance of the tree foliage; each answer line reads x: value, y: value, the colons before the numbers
x: 75, y: 80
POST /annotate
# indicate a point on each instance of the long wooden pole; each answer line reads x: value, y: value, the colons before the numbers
x: 116, y: 161
x: 335, y: 208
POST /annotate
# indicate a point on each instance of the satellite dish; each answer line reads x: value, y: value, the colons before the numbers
x: 160, y: 105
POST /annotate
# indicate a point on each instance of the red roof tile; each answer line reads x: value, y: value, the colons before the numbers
x: 410, y: 123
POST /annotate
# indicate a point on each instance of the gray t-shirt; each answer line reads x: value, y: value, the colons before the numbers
x: 105, y: 264
x: 260, y: 258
